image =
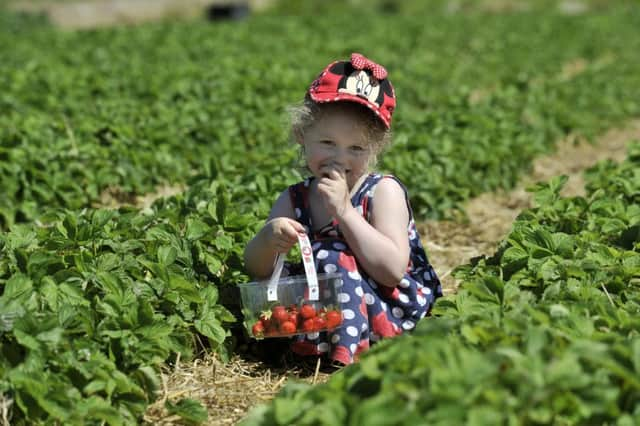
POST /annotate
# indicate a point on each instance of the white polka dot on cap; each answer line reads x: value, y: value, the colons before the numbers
x: 397, y: 312
x: 335, y: 338
x: 404, y: 283
x: 369, y: 299
x: 352, y: 331
x: 323, y: 347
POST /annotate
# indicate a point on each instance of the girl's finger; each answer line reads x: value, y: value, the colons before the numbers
x: 297, y: 226
x: 337, y: 173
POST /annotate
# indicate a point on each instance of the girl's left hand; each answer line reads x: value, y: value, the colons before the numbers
x: 334, y: 191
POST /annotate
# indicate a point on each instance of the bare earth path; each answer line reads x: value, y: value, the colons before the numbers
x: 491, y: 215
x: 230, y: 390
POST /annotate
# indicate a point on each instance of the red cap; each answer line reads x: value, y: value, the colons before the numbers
x: 359, y: 80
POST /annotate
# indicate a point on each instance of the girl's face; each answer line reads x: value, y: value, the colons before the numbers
x: 337, y: 140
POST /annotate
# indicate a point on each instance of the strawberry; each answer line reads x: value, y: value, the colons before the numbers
x: 287, y: 327
x: 307, y: 311
x: 294, y: 317
x: 334, y: 319
x: 265, y: 319
x: 308, y: 325
x: 272, y: 330
x: 279, y: 313
x: 258, y: 329
x: 319, y: 323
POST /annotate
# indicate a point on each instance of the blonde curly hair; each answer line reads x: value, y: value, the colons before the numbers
x: 308, y: 112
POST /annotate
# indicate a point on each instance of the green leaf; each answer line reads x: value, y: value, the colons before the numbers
x: 210, y: 326
x: 214, y: 265
x: 167, y: 255
x: 223, y: 242
x: 189, y: 410
x: 196, y: 229
x: 17, y: 287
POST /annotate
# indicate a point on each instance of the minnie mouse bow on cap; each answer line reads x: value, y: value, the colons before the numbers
x: 359, y: 80
x: 359, y: 62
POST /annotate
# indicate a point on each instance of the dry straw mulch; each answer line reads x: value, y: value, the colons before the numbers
x: 229, y: 390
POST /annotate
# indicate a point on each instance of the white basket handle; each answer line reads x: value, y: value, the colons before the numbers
x: 309, y: 270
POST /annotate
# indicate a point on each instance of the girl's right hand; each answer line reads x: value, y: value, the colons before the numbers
x: 282, y: 233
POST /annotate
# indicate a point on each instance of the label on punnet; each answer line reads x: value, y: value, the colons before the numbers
x: 309, y: 266
x: 309, y: 270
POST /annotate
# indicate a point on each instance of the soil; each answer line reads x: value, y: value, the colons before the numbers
x: 229, y: 390
x: 491, y: 215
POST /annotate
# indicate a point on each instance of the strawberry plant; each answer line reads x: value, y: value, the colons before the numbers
x: 82, y: 124
x: 95, y: 302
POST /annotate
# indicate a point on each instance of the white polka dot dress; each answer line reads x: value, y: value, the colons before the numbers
x: 370, y: 311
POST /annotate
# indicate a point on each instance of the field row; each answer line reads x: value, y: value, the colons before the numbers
x: 124, y: 110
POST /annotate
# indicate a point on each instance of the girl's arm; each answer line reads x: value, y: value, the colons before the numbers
x: 278, y: 235
x: 382, y: 246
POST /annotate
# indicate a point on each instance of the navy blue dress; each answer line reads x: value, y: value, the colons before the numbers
x: 370, y: 311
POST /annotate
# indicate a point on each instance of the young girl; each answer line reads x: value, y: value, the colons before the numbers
x: 360, y: 223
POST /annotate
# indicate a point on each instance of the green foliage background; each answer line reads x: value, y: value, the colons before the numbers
x: 93, y: 301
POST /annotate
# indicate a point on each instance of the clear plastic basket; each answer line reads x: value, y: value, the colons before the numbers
x: 280, y: 307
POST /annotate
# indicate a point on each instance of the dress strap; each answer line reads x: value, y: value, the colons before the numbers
x: 299, y: 195
x: 365, y: 195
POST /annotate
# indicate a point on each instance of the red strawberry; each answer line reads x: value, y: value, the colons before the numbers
x: 265, y: 319
x: 272, y: 330
x: 287, y: 327
x: 258, y: 329
x: 319, y: 323
x: 308, y: 325
x: 307, y: 311
x: 294, y: 317
x: 334, y: 319
x: 279, y: 313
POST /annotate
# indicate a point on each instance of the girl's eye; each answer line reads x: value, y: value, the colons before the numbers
x: 326, y: 142
x: 357, y: 148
